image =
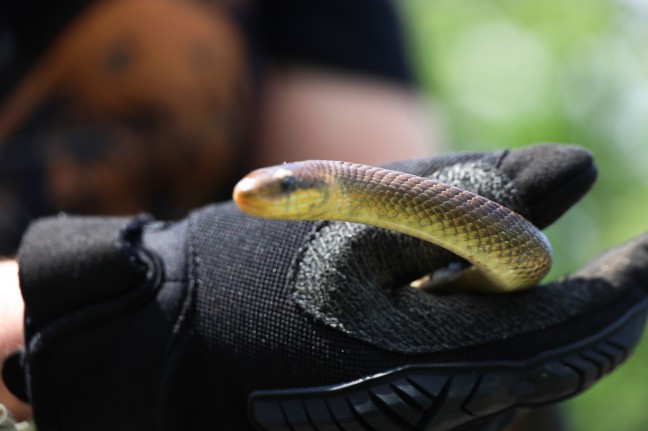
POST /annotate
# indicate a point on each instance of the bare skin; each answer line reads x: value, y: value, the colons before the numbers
x: 11, y: 337
x: 312, y: 114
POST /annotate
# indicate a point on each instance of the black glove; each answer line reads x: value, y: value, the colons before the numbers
x: 226, y: 322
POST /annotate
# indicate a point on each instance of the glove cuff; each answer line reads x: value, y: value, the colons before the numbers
x: 68, y: 263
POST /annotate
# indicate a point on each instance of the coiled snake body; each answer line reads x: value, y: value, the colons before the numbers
x: 507, y: 251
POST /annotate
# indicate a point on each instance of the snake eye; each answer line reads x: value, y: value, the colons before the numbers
x: 288, y: 184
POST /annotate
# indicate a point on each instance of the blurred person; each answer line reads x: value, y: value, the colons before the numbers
x: 127, y: 106
x: 116, y: 117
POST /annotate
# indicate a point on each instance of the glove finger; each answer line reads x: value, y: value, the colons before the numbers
x: 623, y: 266
x: 549, y: 178
x: 540, y: 182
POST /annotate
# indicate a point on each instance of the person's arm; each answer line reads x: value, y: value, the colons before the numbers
x: 11, y: 331
x: 319, y: 114
x: 340, y: 86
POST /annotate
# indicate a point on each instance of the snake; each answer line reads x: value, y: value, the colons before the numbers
x: 505, y: 251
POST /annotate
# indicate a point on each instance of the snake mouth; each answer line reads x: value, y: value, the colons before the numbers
x: 246, y: 198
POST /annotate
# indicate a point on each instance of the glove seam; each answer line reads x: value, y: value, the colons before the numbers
x: 180, y: 325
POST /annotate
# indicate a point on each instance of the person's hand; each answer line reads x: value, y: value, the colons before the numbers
x: 225, y: 321
x: 11, y: 340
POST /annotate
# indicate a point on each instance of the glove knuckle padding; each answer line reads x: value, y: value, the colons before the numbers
x: 622, y: 266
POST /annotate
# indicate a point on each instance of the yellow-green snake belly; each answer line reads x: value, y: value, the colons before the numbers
x: 508, y: 252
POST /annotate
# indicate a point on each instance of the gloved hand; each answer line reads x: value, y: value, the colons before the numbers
x: 224, y: 321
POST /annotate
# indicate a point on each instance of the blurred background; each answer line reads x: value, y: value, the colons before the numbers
x: 505, y: 73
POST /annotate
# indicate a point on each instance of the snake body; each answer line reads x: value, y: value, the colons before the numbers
x: 507, y: 251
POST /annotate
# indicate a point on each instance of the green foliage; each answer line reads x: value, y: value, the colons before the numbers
x: 505, y: 73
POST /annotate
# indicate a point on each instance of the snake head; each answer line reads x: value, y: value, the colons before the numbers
x: 289, y: 191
